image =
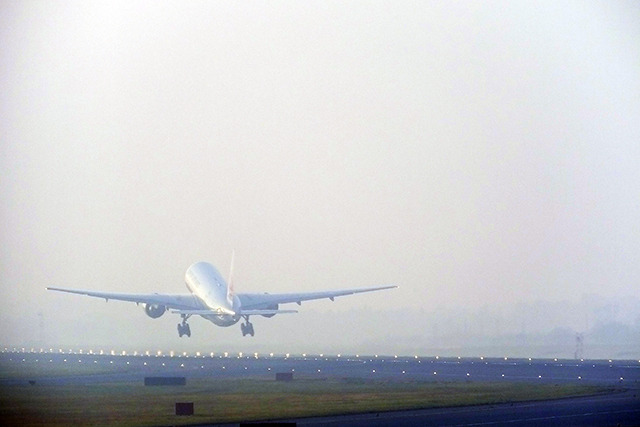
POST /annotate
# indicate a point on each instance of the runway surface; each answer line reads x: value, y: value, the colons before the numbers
x: 618, y: 409
x: 621, y: 408
x: 614, y: 372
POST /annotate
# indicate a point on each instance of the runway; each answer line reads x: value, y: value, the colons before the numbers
x: 121, y: 367
x: 621, y: 408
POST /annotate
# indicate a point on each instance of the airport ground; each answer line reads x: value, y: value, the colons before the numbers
x: 57, y: 388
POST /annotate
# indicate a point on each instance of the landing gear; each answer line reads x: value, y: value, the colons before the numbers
x: 183, y: 328
x: 247, y: 328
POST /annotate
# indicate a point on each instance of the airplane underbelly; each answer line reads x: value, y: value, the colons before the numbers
x: 222, y: 319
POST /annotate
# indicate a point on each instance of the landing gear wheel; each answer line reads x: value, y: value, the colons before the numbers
x: 247, y: 328
x: 183, y: 328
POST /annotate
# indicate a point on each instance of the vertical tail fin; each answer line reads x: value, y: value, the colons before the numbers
x: 230, y: 291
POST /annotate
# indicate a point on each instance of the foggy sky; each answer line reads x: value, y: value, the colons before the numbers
x: 478, y: 155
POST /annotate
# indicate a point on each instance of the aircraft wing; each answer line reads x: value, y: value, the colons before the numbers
x: 266, y: 301
x: 178, y: 302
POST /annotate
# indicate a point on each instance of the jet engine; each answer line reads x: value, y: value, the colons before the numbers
x: 271, y: 307
x: 154, y: 310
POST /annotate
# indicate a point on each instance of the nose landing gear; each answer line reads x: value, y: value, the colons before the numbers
x: 183, y: 328
x: 247, y: 328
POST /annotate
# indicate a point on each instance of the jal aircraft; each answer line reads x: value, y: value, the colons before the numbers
x: 214, y: 299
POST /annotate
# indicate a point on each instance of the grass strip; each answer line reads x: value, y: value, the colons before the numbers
x: 234, y: 400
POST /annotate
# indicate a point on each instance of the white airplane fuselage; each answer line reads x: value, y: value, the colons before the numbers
x: 205, y: 282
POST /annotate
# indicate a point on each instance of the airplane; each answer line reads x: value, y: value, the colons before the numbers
x: 215, y: 300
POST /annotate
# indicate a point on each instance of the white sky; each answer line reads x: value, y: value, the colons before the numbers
x: 474, y: 153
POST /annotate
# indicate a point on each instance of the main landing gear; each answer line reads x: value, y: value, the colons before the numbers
x: 246, y: 328
x: 183, y: 328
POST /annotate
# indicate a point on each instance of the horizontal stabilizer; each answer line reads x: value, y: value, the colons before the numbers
x: 215, y: 312
x: 265, y: 312
x: 231, y: 313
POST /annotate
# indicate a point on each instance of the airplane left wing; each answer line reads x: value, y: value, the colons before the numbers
x: 178, y: 302
x: 265, y: 301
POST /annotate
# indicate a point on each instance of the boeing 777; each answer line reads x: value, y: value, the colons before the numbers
x: 212, y: 298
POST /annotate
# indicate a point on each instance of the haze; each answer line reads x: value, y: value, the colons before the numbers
x: 485, y: 157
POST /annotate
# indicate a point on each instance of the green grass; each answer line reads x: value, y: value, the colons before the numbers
x: 30, y: 369
x: 228, y: 400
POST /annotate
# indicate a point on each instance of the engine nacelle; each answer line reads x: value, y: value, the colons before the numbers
x: 154, y: 310
x: 271, y: 307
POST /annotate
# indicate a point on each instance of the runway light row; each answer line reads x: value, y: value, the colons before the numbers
x: 318, y: 370
x: 199, y: 354
x: 187, y: 356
